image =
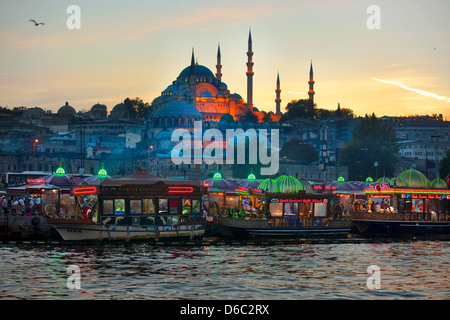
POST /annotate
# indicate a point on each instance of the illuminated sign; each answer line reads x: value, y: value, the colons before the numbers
x: 180, y: 189
x: 38, y: 180
x: 424, y: 196
x: 378, y: 186
x: 84, y: 191
x: 250, y: 190
x: 299, y: 200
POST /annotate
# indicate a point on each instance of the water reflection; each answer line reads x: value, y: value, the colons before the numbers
x: 409, y: 270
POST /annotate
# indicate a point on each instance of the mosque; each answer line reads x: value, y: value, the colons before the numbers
x: 199, y: 94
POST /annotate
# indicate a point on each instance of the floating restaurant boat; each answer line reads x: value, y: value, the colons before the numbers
x: 45, y: 197
x: 29, y: 221
x: 283, y: 207
x: 411, y: 206
x: 138, y: 206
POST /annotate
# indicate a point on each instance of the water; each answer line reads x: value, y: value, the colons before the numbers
x: 408, y: 270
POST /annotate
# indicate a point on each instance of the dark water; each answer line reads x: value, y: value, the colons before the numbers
x: 408, y: 270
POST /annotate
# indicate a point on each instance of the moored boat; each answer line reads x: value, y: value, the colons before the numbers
x: 139, y: 206
x: 410, y: 206
x: 284, y: 208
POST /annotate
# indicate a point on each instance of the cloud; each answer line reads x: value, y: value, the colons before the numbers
x: 419, y: 91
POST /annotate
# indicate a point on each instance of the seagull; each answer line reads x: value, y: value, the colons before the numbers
x: 35, y: 23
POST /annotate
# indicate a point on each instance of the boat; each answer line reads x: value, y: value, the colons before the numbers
x: 281, y: 208
x: 138, y: 206
x: 406, y: 206
x: 29, y: 221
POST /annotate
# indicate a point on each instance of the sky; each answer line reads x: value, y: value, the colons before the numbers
x: 136, y: 48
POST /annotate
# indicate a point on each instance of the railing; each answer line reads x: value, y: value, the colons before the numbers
x: 307, y: 222
x: 408, y: 216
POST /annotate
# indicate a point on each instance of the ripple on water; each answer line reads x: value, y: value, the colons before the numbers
x: 409, y: 270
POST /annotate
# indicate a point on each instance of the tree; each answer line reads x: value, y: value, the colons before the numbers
x: 137, y: 108
x: 297, y: 150
x: 267, y: 118
x: 444, y: 165
x: 373, y: 150
x: 248, y: 118
x: 305, y: 109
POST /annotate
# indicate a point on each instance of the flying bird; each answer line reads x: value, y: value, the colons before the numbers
x: 35, y: 23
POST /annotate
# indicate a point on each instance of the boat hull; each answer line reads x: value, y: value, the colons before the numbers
x: 17, y: 227
x: 394, y: 228
x: 245, y: 229
x: 73, y: 231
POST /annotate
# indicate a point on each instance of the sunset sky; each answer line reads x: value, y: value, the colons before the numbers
x: 137, y: 48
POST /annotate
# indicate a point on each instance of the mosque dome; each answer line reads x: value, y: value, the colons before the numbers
x: 235, y: 96
x: 200, y: 71
x: 119, y: 107
x: 98, y: 107
x: 119, y: 111
x: 412, y: 178
x: 177, y: 109
x: 66, y: 110
x: 206, y: 94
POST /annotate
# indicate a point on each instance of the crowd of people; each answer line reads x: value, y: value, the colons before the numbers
x: 18, y: 205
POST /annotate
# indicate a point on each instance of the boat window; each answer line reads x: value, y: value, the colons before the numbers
x: 108, y: 206
x: 119, y: 206
x: 173, y: 206
x: 320, y: 209
x: 163, y: 206
x: 149, y: 206
x: 187, y: 206
x: 276, y: 209
x: 195, y: 206
x: 135, y: 206
x: 291, y: 208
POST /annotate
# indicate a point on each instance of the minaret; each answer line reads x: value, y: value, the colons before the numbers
x: 278, y: 99
x: 219, y: 65
x: 311, y: 84
x: 250, y: 72
x: 192, y: 69
x: 192, y: 81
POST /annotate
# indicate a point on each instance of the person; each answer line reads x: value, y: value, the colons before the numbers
x: 5, y: 204
x: 377, y: 207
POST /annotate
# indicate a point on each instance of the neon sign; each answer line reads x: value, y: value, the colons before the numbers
x: 180, y: 189
x: 299, y: 200
x: 378, y: 186
x: 250, y: 190
x: 37, y: 180
x: 84, y: 191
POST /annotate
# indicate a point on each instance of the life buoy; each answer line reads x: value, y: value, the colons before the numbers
x: 50, y: 210
x: 87, y: 212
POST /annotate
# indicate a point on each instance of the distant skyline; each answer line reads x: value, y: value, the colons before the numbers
x: 136, y: 49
